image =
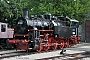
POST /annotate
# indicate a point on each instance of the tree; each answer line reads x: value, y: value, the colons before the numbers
x: 11, y: 9
x: 4, y: 10
x: 78, y: 9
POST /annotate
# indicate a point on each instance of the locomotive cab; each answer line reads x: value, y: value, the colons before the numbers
x: 75, y: 36
x: 74, y: 25
x: 5, y: 34
x: 3, y: 30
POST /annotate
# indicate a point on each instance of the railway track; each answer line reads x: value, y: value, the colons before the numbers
x: 10, y: 54
x: 65, y: 56
x: 3, y: 50
x: 74, y: 56
x: 14, y: 53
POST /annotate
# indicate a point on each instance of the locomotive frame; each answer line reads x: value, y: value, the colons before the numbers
x: 44, y: 33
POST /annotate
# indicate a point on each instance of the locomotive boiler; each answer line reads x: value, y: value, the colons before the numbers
x: 42, y: 33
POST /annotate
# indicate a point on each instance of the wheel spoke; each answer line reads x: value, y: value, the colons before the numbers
x: 61, y: 46
x: 54, y: 47
x: 40, y: 48
x: 47, y: 47
x: 66, y: 44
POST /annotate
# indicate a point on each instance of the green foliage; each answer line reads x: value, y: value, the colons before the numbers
x: 1, y: 47
x: 78, y: 9
x: 73, y: 8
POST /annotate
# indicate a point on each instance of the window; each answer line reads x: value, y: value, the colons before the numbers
x: 20, y: 22
x: 3, y: 28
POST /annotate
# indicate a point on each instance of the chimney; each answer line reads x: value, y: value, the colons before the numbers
x: 25, y: 13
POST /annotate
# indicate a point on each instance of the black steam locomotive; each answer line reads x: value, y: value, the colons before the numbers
x: 44, y: 32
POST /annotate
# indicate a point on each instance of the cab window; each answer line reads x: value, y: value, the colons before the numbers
x: 20, y: 22
x: 3, y: 28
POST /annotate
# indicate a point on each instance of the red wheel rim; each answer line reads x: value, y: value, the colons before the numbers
x: 61, y: 46
x: 75, y: 41
x: 66, y: 44
x: 54, y: 47
x: 40, y: 48
x: 47, y: 47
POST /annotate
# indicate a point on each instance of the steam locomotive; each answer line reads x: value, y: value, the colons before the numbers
x: 44, y: 32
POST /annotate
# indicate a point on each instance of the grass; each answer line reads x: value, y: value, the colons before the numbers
x: 1, y: 47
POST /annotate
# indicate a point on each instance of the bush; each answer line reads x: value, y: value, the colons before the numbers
x: 1, y: 47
